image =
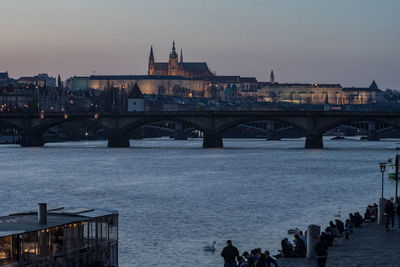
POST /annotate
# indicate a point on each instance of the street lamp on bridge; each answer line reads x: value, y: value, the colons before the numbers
x: 382, y: 165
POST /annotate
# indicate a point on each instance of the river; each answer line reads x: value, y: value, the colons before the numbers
x: 174, y: 197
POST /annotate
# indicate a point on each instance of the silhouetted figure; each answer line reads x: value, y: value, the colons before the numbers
x: 241, y: 262
x: 321, y: 249
x: 329, y: 237
x: 261, y: 262
x: 287, y: 248
x: 300, y: 247
x: 398, y: 211
x: 269, y: 260
x: 389, y: 213
x: 333, y: 228
x: 303, y: 237
x: 230, y: 253
x: 339, y: 226
x: 249, y: 257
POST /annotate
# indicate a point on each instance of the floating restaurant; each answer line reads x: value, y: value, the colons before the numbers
x: 60, y: 237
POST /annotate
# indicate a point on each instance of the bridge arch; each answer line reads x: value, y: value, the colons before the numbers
x: 9, y: 123
x: 46, y: 125
x: 34, y: 136
x: 144, y: 121
x: 332, y: 124
x: 235, y: 122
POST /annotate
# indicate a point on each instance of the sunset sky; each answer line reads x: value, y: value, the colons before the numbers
x: 350, y: 42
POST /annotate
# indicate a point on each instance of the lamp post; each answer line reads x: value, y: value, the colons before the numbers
x: 397, y: 174
x: 382, y: 201
x: 382, y: 165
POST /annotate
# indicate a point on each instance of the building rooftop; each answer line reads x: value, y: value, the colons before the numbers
x: 28, y: 222
x: 135, y: 92
x: 223, y: 78
x: 135, y: 77
x: 275, y: 84
x: 3, y: 75
x: 248, y: 79
x: 195, y: 66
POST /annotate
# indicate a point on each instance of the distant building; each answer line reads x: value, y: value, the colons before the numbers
x: 135, y: 99
x: 42, y: 79
x: 13, y: 98
x: 300, y: 93
x: 363, y: 95
x: 194, y: 79
x: 175, y: 68
x: 229, y: 94
x: 4, y: 79
x: 29, y: 97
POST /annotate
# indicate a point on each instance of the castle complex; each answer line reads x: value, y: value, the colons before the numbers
x: 175, y: 68
x: 194, y: 79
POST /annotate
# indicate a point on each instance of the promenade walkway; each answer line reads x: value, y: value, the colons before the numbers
x: 369, y: 246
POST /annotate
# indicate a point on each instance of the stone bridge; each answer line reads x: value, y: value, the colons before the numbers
x: 213, y: 124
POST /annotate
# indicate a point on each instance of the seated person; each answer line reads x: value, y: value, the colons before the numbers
x: 339, y: 226
x: 348, y: 226
x: 358, y: 220
x: 249, y: 257
x: 333, y: 228
x: 300, y: 247
x: 329, y: 237
x: 287, y: 248
x: 367, y: 215
x: 269, y: 260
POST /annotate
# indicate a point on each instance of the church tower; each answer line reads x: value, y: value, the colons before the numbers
x: 173, y: 62
x: 151, y: 62
x: 272, y: 77
x: 181, y: 60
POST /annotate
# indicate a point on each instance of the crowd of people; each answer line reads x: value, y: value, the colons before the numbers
x: 298, y: 249
x: 256, y: 258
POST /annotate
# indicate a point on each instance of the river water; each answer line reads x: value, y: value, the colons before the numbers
x: 174, y: 197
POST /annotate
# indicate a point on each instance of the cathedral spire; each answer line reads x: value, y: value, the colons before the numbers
x: 272, y: 77
x: 151, y: 58
x: 181, y: 56
x: 173, y: 53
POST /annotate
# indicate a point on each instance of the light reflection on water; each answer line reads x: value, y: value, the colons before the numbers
x: 175, y: 197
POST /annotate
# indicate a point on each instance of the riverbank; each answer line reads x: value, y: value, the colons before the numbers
x: 370, y: 245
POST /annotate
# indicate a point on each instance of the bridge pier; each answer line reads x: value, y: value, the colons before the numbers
x: 32, y: 139
x: 314, y: 141
x: 273, y: 136
x: 372, y: 134
x: 116, y: 138
x: 180, y: 135
x: 179, y: 132
x: 212, y: 139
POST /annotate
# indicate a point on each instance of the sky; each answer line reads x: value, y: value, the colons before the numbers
x: 350, y: 42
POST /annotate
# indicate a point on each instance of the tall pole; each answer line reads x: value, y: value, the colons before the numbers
x: 383, y: 174
x: 397, y: 175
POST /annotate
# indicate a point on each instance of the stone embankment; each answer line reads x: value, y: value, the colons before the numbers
x: 368, y: 246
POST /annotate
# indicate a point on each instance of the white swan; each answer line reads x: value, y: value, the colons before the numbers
x: 210, y: 248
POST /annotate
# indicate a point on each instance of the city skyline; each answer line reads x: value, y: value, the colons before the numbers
x: 317, y: 41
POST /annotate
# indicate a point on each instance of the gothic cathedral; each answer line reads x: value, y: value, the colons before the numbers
x: 177, y: 68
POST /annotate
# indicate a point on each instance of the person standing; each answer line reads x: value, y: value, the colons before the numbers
x: 321, y: 249
x: 398, y: 211
x: 389, y: 213
x: 230, y: 253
